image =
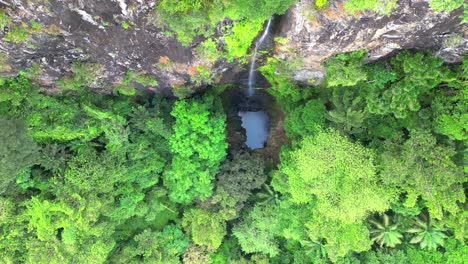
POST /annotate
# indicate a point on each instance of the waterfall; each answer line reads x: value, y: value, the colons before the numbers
x: 258, y: 44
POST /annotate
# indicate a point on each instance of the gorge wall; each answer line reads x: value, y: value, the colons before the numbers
x: 124, y: 35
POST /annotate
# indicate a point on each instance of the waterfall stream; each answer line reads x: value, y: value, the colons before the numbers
x: 258, y: 44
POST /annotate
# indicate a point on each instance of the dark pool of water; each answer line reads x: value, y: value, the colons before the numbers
x: 256, y: 126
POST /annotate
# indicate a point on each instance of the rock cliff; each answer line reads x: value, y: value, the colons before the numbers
x: 122, y: 35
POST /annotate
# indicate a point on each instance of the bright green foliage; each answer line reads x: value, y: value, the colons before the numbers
x: 206, y: 228
x: 427, y: 234
x: 416, y: 73
x: 46, y: 218
x: 263, y: 226
x: 15, y: 90
x: 125, y: 25
x: 18, y: 33
x: 189, y: 19
x: 174, y: 13
x: 385, y: 233
x: 320, y: 3
x: 345, y: 69
x: 383, y: 257
x: 278, y: 73
x: 84, y: 75
x: 455, y: 251
x: 422, y: 168
x: 337, y: 179
x: 341, y: 237
x: 202, y: 77
x: 198, y: 147
x: 17, y: 151
x: 305, y: 120
x: 340, y: 176
x: 119, y: 179
x: 127, y: 87
x: 445, y: 5
x: 240, y: 38
x: 451, y: 112
x: 208, y: 50
x: 35, y: 25
x: 5, y: 20
x: 382, y: 7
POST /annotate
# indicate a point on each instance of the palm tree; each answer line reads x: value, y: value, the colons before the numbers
x: 267, y: 196
x: 315, y: 248
x: 385, y: 233
x: 427, y: 234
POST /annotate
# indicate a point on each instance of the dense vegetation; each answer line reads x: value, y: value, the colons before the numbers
x: 373, y: 171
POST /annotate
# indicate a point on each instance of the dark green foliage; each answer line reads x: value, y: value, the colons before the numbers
x: 348, y: 112
x: 422, y: 168
x: 14, y: 90
x: 399, y: 92
x: 154, y: 247
x: 305, y: 120
x: 206, y: 228
x: 237, y: 179
x: 84, y: 75
x: 17, y: 151
x: 345, y: 69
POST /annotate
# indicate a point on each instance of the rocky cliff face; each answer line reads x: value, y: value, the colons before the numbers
x: 122, y: 35
x: 315, y: 36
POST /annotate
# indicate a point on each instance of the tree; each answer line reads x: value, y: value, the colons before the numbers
x: 198, y: 145
x: 349, y: 111
x: 165, y: 246
x: 236, y: 181
x: 427, y: 234
x: 257, y: 231
x: 385, y: 233
x: 305, y: 120
x: 206, y: 228
x: 17, y: 151
x: 412, y: 75
x: 422, y: 168
x: 345, y: 69
x: 341, y: 238
x: 338, y: 175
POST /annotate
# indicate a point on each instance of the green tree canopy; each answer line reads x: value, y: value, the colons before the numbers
x: 198, y: 145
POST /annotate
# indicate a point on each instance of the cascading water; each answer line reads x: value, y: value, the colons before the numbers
x: 255, y: 122
x: 258, y: 45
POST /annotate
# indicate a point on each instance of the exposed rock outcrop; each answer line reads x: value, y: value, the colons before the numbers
x: 316, y: 36
x: 123, y: 35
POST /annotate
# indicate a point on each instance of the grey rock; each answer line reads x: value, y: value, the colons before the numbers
x: 91, y: 31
